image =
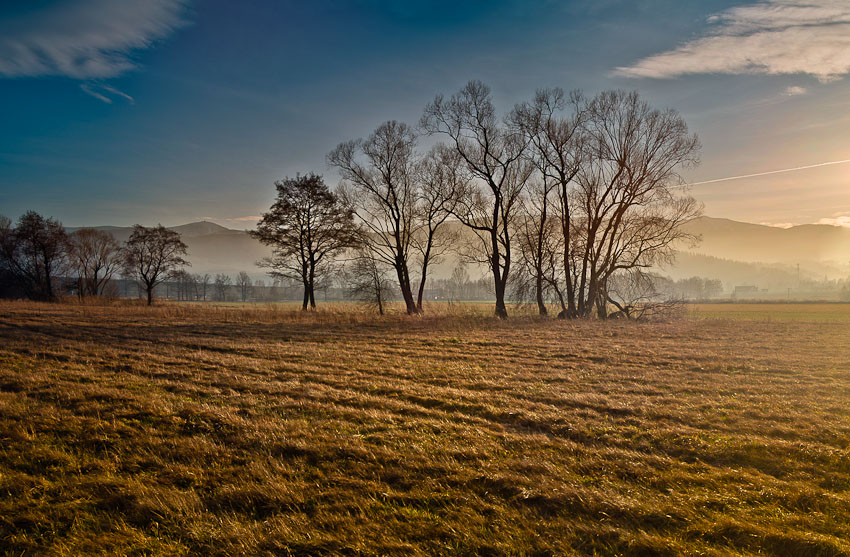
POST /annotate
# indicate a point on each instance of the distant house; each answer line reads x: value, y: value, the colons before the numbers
x: 745, y: 290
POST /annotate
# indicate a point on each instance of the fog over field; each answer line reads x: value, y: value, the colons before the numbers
x: 735, y: 253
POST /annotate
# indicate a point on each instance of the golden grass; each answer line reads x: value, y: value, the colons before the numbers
x: 183, y: 429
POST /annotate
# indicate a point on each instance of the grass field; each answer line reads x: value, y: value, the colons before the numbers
x: 196, y: 430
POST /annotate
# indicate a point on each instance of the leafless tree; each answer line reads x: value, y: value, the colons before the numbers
x: 221, y: 284
x: 381, y: 171
x: 243, y: 281
x: 627, y: 192
x: 33, y: 252
x: 442, y: 177
x: 554, y: 126
x: 202, y: 283
x: 366, y: 279
x: 152, y: 253
x: 538, y: 238
x: 635, y: 294
x: 95, y: 256
x: 306, y: 226
x: 493, y: 153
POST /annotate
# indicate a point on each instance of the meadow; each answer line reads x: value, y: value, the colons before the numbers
x: 183, y: 429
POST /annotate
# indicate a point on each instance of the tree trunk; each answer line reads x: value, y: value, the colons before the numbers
x: 541, y: 307
x: 306, y: 296
x: 404, y: 285
x: 150, y: 295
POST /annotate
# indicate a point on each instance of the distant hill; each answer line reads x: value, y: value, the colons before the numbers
x: 734, y: 252
x: 729, y: 239
x: 212, y: 248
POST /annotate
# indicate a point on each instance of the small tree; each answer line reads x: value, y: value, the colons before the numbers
x: 305, y: 226
x: 33, y: 252
x: 220, y: 287
x: 367, y: 280
x: 243, y: 281
x: 95, y: 256
x: 152, y: 253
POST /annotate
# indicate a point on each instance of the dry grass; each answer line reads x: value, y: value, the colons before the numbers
x: 183, y: 430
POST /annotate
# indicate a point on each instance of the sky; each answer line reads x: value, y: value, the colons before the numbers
x: 115, y: 112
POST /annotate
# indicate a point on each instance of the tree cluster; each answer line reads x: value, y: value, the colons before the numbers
x: 567, y: 199
x: 37, y: 253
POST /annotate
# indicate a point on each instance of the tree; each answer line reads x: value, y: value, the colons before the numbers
x: 556, y: 149
x: 628, y: 192
x: 367, y: 280
x: 152, y: 253
x: 382, y: 169
x: 493, y: 154
x: 243, y: 281
x: 33, y: 252
x: 442, y: 176
x: 95, y: 256
x: 220, y: 286
x: 537, y: 238
x: 202, y: 282
x: 306, y: 226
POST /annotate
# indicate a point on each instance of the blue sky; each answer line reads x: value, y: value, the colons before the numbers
x: 172, y: 111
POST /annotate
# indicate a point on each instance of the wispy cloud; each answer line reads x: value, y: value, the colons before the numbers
x: 769, y: 37
x: 795, y: 91
x: 779, y: 224
x: 84, y: 39
x: 105, y: 93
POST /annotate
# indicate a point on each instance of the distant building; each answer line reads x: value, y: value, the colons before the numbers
x: 745, y: 290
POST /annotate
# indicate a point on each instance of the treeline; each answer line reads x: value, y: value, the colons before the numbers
x: 564, y: 199
x: 39, y: 259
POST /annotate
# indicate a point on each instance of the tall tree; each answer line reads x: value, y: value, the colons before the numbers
x: 34, y: 252
x: 628, y: 192
x: 382, y: 170
x: 152, y: 253
x: 95, y: 256
x: 306, y: 226
x: 554, y: 127
x: 442, y: 176
x: 493, y: 153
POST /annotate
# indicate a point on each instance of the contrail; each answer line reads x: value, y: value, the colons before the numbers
x: 768, y: 172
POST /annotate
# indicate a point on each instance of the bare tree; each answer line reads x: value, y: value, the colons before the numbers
x: 33, y: 252
x: 367, y: 281
x: 636, y: 295
x: 202, y: 282
x: 95, y: 256
x: 382, y: 170
x: 442, y: 176
x: 306, y: 226
x: 538, y: 273
x: 627, y: 192
x: 554, y: 126
x: 220, y: 287
x: 152, y: 253
x: 492, y: 151
x: 243, y: 281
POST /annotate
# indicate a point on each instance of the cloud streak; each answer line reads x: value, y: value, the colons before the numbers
x: 84, y: 39
x: 769, y: 172
x: 105, y: 92
x: 773, y: 37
